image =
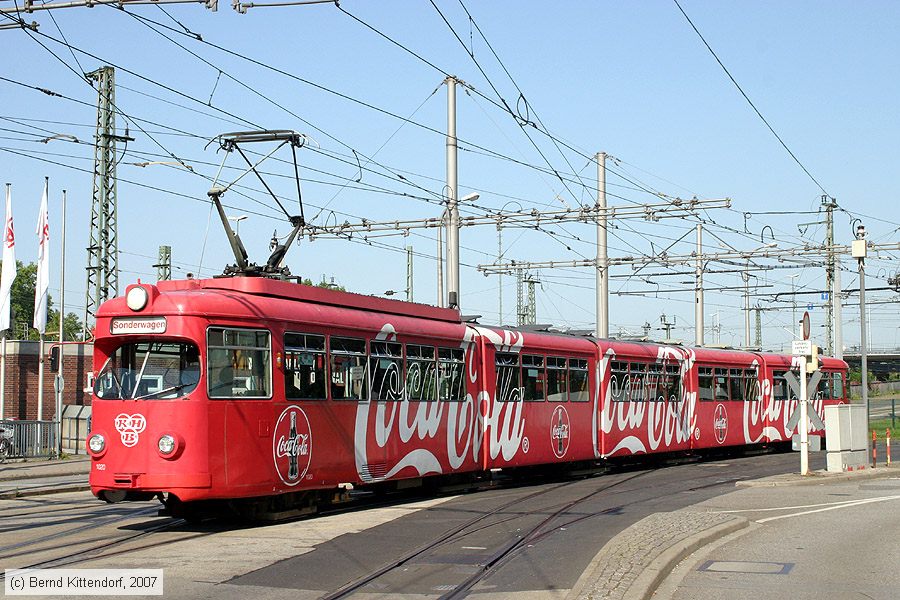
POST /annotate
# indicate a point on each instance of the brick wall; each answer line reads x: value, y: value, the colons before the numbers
x: 21, y: 379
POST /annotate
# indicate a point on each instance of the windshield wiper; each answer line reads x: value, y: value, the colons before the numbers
x: 174, y: 388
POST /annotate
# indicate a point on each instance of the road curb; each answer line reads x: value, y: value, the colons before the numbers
x: 633, y: 564
x: 821, y: 477
x: 651, y: 577
x: 17, y: 493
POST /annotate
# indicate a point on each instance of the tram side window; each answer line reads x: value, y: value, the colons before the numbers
x: 451, y: 379
x: 656, y: 383
x: 421, y: 373
x: 751, y: 385
x: 533, y: 380
x: 779, y: 386
x: 720, y: 383
x: 737, y: 385
x: 619, y: 381
x: 837, y: 390
x: 239, y: 363
x: 706, y: 384
x: 672, y: 391
x: 781, y: 390
x: 823, y: 389
x: 304, y: 366
x: 578, y: 380
x: 557, y: 390
x: 386, y: 370
x: 637, y: 379
x: 348, y: 369
x: 509, y: 386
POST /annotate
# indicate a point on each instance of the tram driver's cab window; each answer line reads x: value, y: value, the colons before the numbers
x: 239, y: 363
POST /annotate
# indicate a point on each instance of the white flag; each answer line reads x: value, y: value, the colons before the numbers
x: 42, y: 283
x: 9, y: 266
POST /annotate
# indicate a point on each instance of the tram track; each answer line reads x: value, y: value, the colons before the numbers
x: 461, y: 531
x: 554, y: 518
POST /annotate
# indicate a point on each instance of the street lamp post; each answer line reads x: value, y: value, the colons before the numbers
x: 858, y: 251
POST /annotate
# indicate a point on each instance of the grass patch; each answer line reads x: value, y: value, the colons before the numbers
x: 881, y: 425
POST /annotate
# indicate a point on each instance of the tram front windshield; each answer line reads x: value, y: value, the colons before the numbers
x: 149, y: 370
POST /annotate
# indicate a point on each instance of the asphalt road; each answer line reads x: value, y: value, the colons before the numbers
x: 833, y: 541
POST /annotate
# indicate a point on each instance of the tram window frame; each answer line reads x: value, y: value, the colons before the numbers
x: 837, y: 389
x: 778, y: 380
x: 418, y: 377
x: 386, y: 367
x: 823, y: 388
x: 355, y: 350
x: 619, y: 380
x: 557, y: 379
x: 706, y: 382
x: 578, y: 374
x: 507, y: 367
x: 673, y: 382
x: 451, y: 374
x: 534, y: 379
x: 297, y: 345
x: 721, y: 382
x: 637, y: 382
x: 737, y: 386
x: 225, y: 358
x: 751, y: 385
x: 656, y: 377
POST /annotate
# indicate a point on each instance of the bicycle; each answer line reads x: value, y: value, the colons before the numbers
x: 6, y: 447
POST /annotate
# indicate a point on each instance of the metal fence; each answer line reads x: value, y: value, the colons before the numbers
x: 30, y: 438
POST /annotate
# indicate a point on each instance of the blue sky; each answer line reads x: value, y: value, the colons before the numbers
x: 631, y: 79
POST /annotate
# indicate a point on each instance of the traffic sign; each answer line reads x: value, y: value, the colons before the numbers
x: 809, y: 306
x: 801, y: 348
x: 806, y: 327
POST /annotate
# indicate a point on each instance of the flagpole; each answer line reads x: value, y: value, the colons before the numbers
x: 62, y: 318
x: 3, y: 376
x: 40, y: 411
x: 42, y: 292
x: 7, y: 277
x: 3, y: 351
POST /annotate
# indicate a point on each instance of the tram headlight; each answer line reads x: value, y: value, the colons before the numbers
x: 166, y: 444
x: 170, y: 445
x: 97, y: 443
x: 137, y: 298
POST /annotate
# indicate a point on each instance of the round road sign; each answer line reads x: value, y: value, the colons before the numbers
x: 805, y: 322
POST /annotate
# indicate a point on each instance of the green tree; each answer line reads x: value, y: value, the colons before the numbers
x: 22, y: 303
x: 324, y: 284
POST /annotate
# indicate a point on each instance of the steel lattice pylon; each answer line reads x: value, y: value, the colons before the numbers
x: 103, y: 251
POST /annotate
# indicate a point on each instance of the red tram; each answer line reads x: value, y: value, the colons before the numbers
x: 269, y: 393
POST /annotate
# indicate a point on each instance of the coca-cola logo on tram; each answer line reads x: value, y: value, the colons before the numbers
x: 559, y: 431
x: 720, y: 423
x: 292, y: 445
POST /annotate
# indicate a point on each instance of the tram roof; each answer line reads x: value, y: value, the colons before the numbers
x: 286, y: 290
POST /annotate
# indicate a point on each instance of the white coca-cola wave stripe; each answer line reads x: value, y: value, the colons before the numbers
x: 632, y: 444
x: 668, y: 423
x: 468, y: 422
x: 774, y: 414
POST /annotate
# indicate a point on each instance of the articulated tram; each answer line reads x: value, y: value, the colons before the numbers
x: 269, y: 394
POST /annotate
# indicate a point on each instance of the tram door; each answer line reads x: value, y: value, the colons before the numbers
x: 240, y: 376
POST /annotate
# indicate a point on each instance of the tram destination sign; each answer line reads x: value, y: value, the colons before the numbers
x: 130, y: 325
